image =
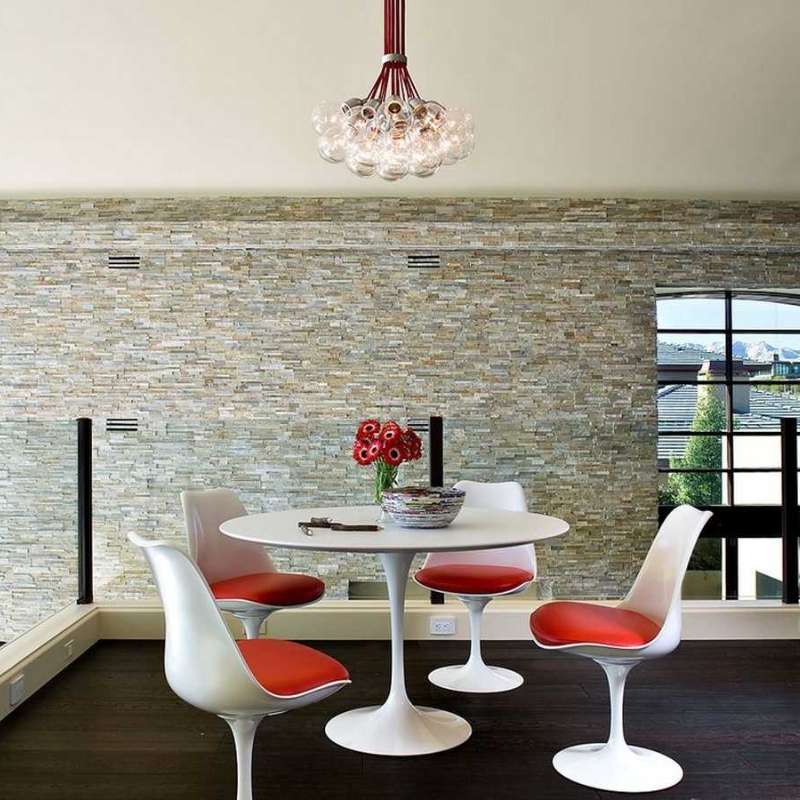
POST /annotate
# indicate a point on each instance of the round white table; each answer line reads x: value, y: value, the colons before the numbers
x: 396, y: 728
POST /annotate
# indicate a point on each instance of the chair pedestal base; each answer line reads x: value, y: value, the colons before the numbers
x: 477, y: 678
x: 621, y: 768
x: 398, y: 728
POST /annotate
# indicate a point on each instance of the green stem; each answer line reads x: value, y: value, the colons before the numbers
x: 385, y: 478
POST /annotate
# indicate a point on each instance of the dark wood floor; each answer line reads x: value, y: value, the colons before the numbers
x: 110, y: 728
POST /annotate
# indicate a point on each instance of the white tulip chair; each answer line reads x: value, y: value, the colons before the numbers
x: 476, y: 577
x: 645, y: 625
x: 243, y: 681
x: 242, y: 577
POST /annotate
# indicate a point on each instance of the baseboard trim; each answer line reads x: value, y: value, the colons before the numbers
x: 504, y: 620
x: 42, y: 652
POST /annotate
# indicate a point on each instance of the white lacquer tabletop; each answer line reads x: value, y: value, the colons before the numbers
x: 473, y: 529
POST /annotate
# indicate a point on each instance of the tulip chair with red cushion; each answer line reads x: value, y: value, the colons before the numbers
x: 646, y: 624
x: 242, y: 577
x: 476, y: 577
x: 242, y: 682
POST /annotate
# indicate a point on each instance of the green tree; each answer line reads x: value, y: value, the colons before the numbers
x: 700, y: 489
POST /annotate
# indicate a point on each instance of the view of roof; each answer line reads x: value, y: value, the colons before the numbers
x: 686, y: 354
x: 676, y: 407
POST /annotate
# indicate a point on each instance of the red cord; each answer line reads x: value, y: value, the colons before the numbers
x: 394, y: 76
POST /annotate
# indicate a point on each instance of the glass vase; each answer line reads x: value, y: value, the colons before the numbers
x: 385, y: 479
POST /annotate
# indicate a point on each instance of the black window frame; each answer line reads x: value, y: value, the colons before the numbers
x: 762, y: 521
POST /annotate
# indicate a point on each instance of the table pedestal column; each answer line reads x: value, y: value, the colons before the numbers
x: 398, y: 728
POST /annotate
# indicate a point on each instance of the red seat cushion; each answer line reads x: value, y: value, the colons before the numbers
x: 473, y: 578
x: 562, y: 623
x: 270, y: 588
x: 287, y: 668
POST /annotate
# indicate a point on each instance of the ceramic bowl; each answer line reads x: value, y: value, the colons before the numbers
x: 421, y: 507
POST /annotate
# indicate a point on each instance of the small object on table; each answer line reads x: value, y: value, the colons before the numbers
x: 324, y: 522
x: 422, y: 507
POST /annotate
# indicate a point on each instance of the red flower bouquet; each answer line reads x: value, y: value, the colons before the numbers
x: 386, y: 446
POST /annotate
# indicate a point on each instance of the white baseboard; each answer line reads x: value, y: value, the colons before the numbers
x: 503, y: 620
x: 42, y: 652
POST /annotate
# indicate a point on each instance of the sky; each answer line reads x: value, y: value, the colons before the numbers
x: 705, y: 313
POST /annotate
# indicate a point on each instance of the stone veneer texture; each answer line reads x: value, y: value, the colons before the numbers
x: 259, y: 331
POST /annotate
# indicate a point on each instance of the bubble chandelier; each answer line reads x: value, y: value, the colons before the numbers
x: 393, y: 132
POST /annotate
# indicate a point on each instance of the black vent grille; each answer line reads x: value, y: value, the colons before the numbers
x: 424, y: 261
x: 124, y: 261
x: 419, y: 424
x: 122, y: 425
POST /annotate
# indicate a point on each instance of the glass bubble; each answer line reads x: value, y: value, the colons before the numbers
x: 351, y: 104
x: 399, y: 129
x: 450, y: 148
x: 360, y: 168
x: 332, y: 147
x: 436, y: 115
x: 461, y: 118
x: 393, y: 163
x: 362, y: 156
x: 393, y: 170
x: 394, y: 105
x: 326, y: 115
x: 425, y: 160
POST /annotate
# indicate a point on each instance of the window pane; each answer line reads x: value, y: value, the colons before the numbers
x: 697, y: 489
x: 752, y: 312
x: 681, y: 356
x: 760, y: 569
x: 684, y: 407
x: 703, y: 579
x: 768, y: 355
x: 38, y: 518
x: 760, y: 408
x: 757, y: 451
x: 691, y: 312
x: 757, y: 488
x: 696, y: 452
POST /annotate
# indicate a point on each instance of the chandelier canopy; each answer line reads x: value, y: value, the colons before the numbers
x: 393, y: 132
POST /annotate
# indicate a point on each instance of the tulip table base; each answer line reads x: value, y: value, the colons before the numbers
x: 398, y: 728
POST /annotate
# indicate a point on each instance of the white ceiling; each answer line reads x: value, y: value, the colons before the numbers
x: 663, y: 98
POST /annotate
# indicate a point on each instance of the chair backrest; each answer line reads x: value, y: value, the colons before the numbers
x: 656, y: 592
x: 202, y: 662
x: 218, y: 556
x: 508, y: 496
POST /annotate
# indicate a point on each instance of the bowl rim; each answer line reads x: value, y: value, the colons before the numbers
x: 433, y: 491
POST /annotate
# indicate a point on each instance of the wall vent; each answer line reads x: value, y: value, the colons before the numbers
x: 419, y: 424
x: 122, y: 425
x: 424, y: 261
x: 124, y: 261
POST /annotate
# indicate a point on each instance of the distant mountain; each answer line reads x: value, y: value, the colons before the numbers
x: 762, y: 352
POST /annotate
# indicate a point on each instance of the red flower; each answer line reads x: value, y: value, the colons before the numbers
x: 361, y: 452
x: 391, y: 432
x: 368, y: 429
x: 374, y: 450
x: 412, y: 444
x: 393, y: 453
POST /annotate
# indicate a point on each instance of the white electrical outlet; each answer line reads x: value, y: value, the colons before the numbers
x: 16, y: 690
x: 443, y: 626
x: 69, y: 649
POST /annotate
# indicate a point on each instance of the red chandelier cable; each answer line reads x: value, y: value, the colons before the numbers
x: 394, y: 75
